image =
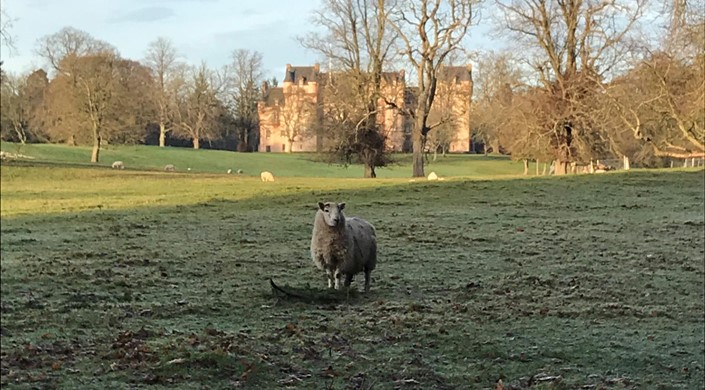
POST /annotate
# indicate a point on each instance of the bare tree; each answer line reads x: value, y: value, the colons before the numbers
x: 6, y: 23
x: 197, y: 107
x: 357, y: 41
x: 21, y: 106
x: 431, y: 31
x: 297, y: 117
x: 244, y: 77
x: 497, y: 78
x: 15, y: 110
x: 89, y: 64
x: 573, y: 46
x: 162, y: 58
x: 64, y: 47
x: 95, y: 79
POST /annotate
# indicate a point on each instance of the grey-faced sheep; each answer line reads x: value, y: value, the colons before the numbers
x: 169, y: 168
x: 266, y: 176
x: 118, y: 165
x: 342, y: 246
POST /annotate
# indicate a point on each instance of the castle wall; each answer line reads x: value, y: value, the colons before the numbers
x: 294, y: 105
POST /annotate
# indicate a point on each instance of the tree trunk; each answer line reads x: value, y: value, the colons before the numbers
x: 21, y: 135
x: 417, y: 149
x: 545, y: 167
x: 495, y: 147
x: 72, y: 140
x: 626, y: 163
x: 162, y: 135
x: 291, y: 147
x: 196, y: 143
x: 537, y: 167
x: 370, y: 171
x: 526, y: 167
x: 95, y: 156
x: 561, y: 167
x: 435, y: 154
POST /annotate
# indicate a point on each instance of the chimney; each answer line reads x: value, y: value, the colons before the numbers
x: 316, y: 68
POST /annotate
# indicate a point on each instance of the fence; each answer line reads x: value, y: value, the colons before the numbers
x: 688, y: 162
x: 604, y: 165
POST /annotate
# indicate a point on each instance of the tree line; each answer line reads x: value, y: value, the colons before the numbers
x: 593, y: 79
x: 92, y: 95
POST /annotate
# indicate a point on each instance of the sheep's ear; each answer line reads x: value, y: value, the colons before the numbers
x: 341, y: 205
x: 321, y: 205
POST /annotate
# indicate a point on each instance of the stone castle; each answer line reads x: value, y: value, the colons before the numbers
x: 287, y: 114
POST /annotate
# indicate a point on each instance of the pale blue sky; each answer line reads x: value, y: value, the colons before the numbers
x: 200, y: 29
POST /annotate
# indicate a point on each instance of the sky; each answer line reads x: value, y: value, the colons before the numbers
x: 208, y: 30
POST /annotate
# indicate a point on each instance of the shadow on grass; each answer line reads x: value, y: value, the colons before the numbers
x: 312, y: 295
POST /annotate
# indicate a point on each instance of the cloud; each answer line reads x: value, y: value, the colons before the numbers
x: 146, y: 14
x: 250, y: 12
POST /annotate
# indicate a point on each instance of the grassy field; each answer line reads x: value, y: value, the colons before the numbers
x: 119, y: 279
x: 281, y: 164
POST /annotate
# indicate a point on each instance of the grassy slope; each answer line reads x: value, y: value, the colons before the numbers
x: 598, y: 279
x: 289, y: 165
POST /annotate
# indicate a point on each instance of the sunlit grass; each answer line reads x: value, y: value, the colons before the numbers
x: 117, y: 279
x: 281, y: 164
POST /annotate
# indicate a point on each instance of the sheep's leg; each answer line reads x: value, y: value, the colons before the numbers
x: 368, y: 276
x: 348, y: 279
x: 330, y: 278
x: 338, y: 276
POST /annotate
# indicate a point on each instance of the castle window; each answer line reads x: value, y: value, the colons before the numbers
x: 268, y: 133
x: 275, y: 117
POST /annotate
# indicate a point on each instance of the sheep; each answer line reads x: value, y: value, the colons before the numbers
x: 432, y: 176
x: 342, y: 246
x: 266, y: 176
x: 230, y: 171
x: 169, y: 168
x: 118, y: 165
x: 240, y: 171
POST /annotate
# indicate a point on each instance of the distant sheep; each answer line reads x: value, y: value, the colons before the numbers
x: 432, y: 176
x: 239, y: 172
x: 266, y: 176
x: 169, y: 168
x: 342, y: 246
x: 118, y: 165
x: 230, y: 171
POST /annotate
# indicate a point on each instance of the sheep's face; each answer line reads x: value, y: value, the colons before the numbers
x: 332, y: 212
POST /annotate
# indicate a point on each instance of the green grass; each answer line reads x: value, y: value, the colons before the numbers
x: 118, y: 279
x: 281, y: 164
